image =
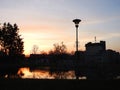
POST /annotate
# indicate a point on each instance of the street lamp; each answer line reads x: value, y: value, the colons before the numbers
x: 76, y: 21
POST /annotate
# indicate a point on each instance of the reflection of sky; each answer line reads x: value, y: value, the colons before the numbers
x: 39, y: 74
x: 44, y: 74
x: 45, y: 22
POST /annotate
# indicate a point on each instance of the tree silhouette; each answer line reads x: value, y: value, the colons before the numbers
x: 35, y: 49
x: 57, y: 57
x: 11, y: 49
x: 59, y: 48
x: 10, y: 41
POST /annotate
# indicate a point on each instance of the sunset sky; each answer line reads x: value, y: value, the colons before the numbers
x: 45, y: 22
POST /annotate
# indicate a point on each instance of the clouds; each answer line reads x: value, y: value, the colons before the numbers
x: 50, y: 21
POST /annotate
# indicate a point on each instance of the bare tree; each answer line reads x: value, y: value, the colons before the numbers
x: 57, y: 57
x: 59, y: 48
x: 35, y: 49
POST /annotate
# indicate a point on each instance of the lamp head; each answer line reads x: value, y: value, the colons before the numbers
x: 76, y: 21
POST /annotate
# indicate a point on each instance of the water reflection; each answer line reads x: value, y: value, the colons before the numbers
x: 41, y: 73
x: 35, y: 74
x: 45, y: 74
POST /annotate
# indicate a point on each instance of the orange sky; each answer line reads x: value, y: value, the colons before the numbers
x: 45, y: 22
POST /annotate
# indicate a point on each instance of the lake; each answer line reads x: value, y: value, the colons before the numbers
x: 25, y: 72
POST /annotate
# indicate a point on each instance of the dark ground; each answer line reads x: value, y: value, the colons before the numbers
x: 43, y: 84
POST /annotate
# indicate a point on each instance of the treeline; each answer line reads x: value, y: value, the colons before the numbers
x: 57, y: 59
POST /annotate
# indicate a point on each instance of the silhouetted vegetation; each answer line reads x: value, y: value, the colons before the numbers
x: 60, y: 60
x: 10, y: 41
x: 35, y: 49
x: 11, y: 49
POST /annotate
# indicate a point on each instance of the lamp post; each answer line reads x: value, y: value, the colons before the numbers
x: 76, y: 21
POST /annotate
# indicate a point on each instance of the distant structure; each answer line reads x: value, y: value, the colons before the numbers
x: 98, y: 63
x: 96, y: 52
x: 95, y: 39
x: 95, y: 48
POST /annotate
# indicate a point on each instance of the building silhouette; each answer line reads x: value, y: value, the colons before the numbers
x: 98, y: 63
x: 94, y: 48
x: 95, y: 52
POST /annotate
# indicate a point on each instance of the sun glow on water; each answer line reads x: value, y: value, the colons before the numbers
x: 44, y: 74
x: 36, y: 74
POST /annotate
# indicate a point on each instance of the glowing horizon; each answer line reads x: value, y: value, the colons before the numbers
x: 45, y: 22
